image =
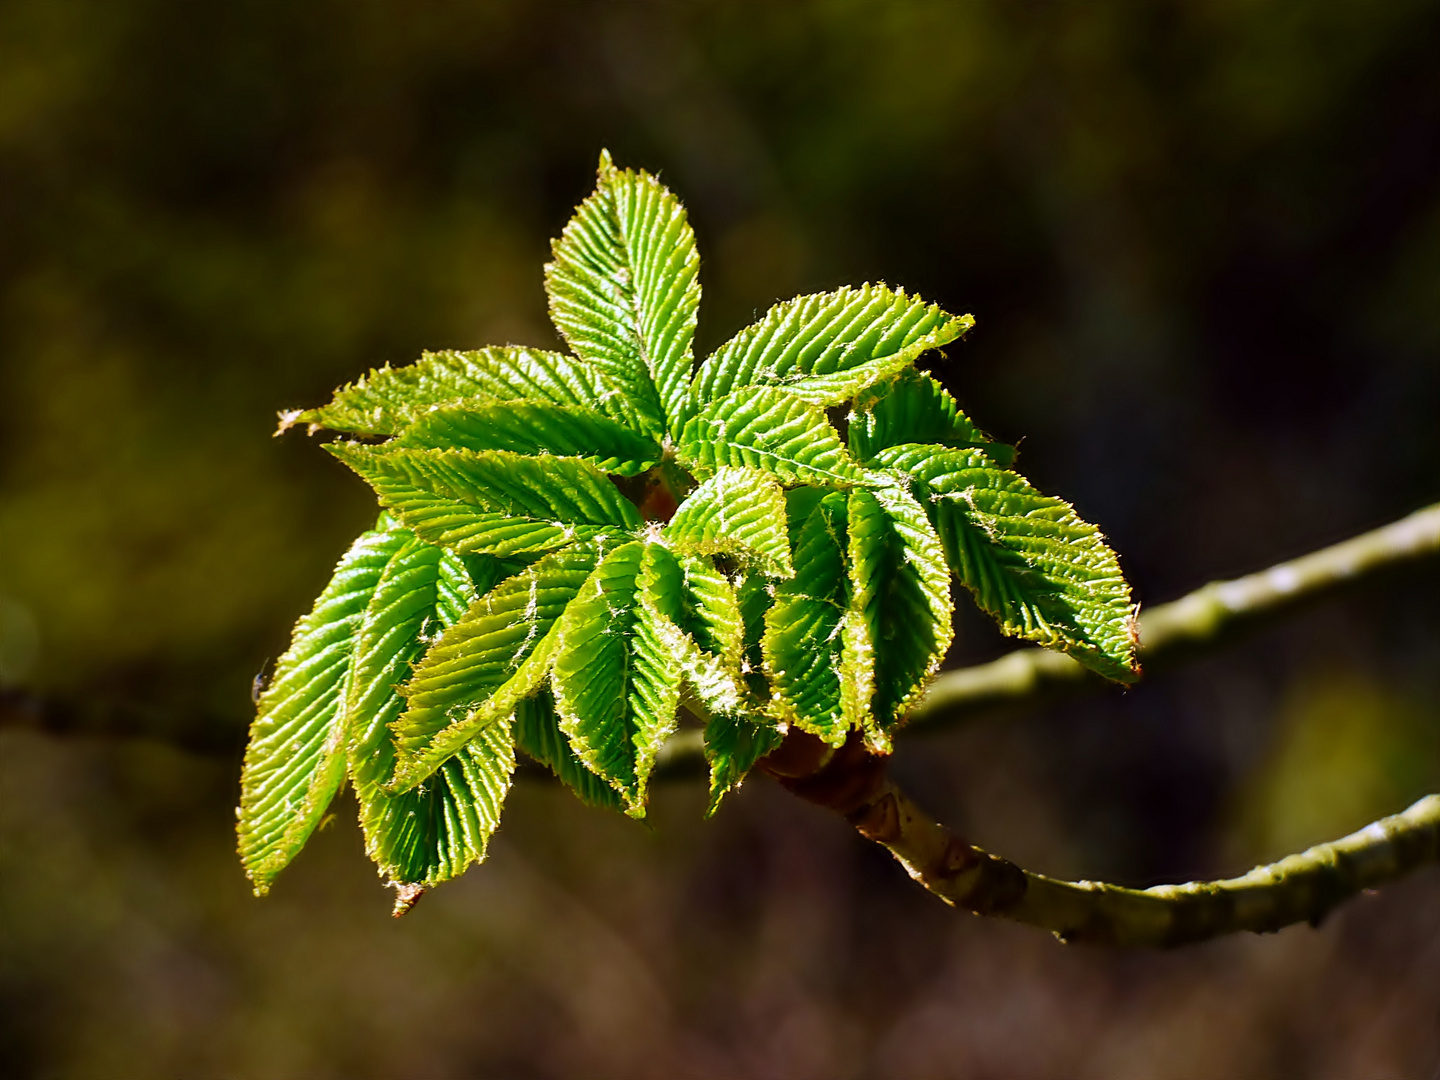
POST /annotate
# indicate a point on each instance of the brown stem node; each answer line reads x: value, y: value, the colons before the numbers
x: 848, y: 779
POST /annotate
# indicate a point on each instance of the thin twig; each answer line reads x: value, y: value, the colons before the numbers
x: 1299, y: 888
x: 1191, y: 625
x: 855, y: 783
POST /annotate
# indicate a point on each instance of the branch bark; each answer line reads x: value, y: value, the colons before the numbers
x: 1301, y: 888
x: 1194, y: 624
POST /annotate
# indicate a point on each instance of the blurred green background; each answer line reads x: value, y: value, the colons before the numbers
x: 1202, y: 241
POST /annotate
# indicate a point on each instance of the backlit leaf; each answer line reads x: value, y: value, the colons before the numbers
x: 624, y: 290
x: 388, y: 400
x: 295, y: 761
x: 900, y: 595
x: 491, y: 501
x: 618, y: 666
x: 766, y: 429
x: 802, y: 642
x: 710, y: 610
x: 914, y: 408
x: 709, y: 636
x: 494, y: 656
x: 825, y: 348
x: 534, y: 427
x: 738, y: 512
x: 1030, y: 561
x: 431, y: 833
x: 435, y: 831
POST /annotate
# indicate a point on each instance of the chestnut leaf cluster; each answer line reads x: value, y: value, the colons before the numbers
x: 576, y: 553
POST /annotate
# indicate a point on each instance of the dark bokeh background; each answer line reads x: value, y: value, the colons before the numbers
x: 1202, y: 241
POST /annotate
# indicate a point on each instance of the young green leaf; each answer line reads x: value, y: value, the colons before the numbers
x: 388, y: 400
x: 533, y: 427
x: 618, y: 666
x: 733, y: 744
x: 538, y: 734
x: 436, y: 831
x: 295, y: 761
x: 802, y: 645
x: 828, y: 347
x: 491, y: 500
x: 914, y: 408
x: 737, y: 512
x: 624, y: 289
x: 708, y: 634
x: 1030, y: 561
x: 495, y: 655
x: 431, y: 833
x: 900, y: 597
x: 760, y: 427
x: 710, y: 609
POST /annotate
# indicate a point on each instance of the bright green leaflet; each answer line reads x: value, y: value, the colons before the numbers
x: 825, y: 349
x: 900, y: 612
x: 914, y: 408
x: 717, y: 680
x: 617, y: 671
x: 710, y: 609
x: 1029, y: 560
x: 766, y: 429
x: 534, y: 428
x: 296, y: 758
x: 802, y: 645
x: 581, y: 551
x: 624, y: 289
x: 430, y: 834
x: 491, y: 501
x: 738, y: 512
x: 388, y: 400
x: 494, y: 656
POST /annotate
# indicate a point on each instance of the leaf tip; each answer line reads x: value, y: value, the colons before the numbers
x: 607, y: 164
x: 288, y: 419
x: 347, y: 451
x: 260, y: 880
x: 1132, y: 638
x: 407, y: 895
x: 878, y: 741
